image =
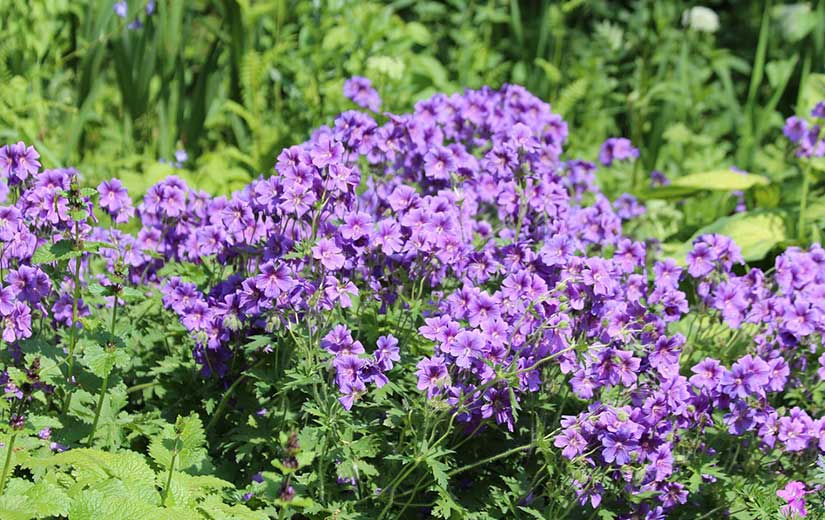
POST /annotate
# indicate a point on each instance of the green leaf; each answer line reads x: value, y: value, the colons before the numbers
x: 15, y: 507
x: 716, y: 180
x: 193, y: 440
x: 756, y: 233
x: 184, y: 443
x: 47, y: 499
x: 532, y: 512
x: 811, y: 93
x: 62, y: 250
x: 131, y: 292
x: 101, y: 361
x: 337, y: 37
x: 439, y: 471
x: 721, y: 180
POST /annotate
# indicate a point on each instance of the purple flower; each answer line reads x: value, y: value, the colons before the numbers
x: 795, y: 430
x: 619, y: 445
x: 347, y: 368
x: 388, y: 236
x: 794, y: 494
x: 800, y: 318
x: 661, y: 464
x: 748, y: 376
x: 617, y: 149
x: 325, y: 152
x: 18, y: 162
x: 7, y: 299
x: 432, y: 375
x: 17, y: 324
x: 497, y: 405
x: 571, y: 441
x: 329, y: 254
x: 707, y: 374
x: 439, y: 163
x: 658, y: 178
x: 386, y: 352
x: 273, y: 280
x: 121, y: 9
x: 700, y: 260
x: 360, y: 91
x: 467, y: 346
x: 795, y: 128
x: 115, y: 200
x: 628, y: 207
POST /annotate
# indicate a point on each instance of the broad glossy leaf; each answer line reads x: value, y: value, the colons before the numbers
x: 756, y: 233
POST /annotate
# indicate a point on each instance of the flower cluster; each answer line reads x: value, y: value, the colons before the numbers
x: 466, y: 205
x: 807, y: 137
x: 470, y: 191
x: 352, y: 371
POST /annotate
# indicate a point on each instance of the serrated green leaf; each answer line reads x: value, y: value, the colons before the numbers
x: 47, y: 499
x: 439, y: 471
x: 532, y: 512
x: 15, y: 507
x: 132, y: 292
x: 101, y: 361
x: 182, y: 443
x: 62, y: 250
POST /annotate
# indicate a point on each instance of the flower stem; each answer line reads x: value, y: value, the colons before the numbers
x: 219, y: 411
x: 494, y: 458
x: 7, y: 464
x: 73, y: 332
x: 105, y: 385
x: 169, y: 476
x: 803, y: 202
x: 100, y: 398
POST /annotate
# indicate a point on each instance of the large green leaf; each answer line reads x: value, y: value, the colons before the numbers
x: 756, y: 233
x: 721, y: 180
x: 715, y: 180
x: 811, y: 93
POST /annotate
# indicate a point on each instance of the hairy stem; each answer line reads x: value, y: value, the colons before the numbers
x: 105, y: 385
x: 73, y: 332
x: 7, y: 464
x: 803, y: 202
x: 169, y: 475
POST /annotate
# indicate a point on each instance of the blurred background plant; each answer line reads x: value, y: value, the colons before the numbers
x: 212, y: 89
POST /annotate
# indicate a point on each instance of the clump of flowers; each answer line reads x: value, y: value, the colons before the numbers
x: 452, y: 263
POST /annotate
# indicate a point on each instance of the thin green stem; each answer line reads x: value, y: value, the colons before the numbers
x: 105, y: 385
x: 493, y: 458
x: 169, y: 476
x: 73, y: 331
x: 7, y: 464
x: 394, y: 485
x: 142, y: 386
x: 803, y: 202
x: 222, y: 405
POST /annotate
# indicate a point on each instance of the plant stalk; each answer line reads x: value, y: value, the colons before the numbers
x: 803, y: 203
x: 7, y: 464
x: 105, y: 385
x: 73, y: 332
